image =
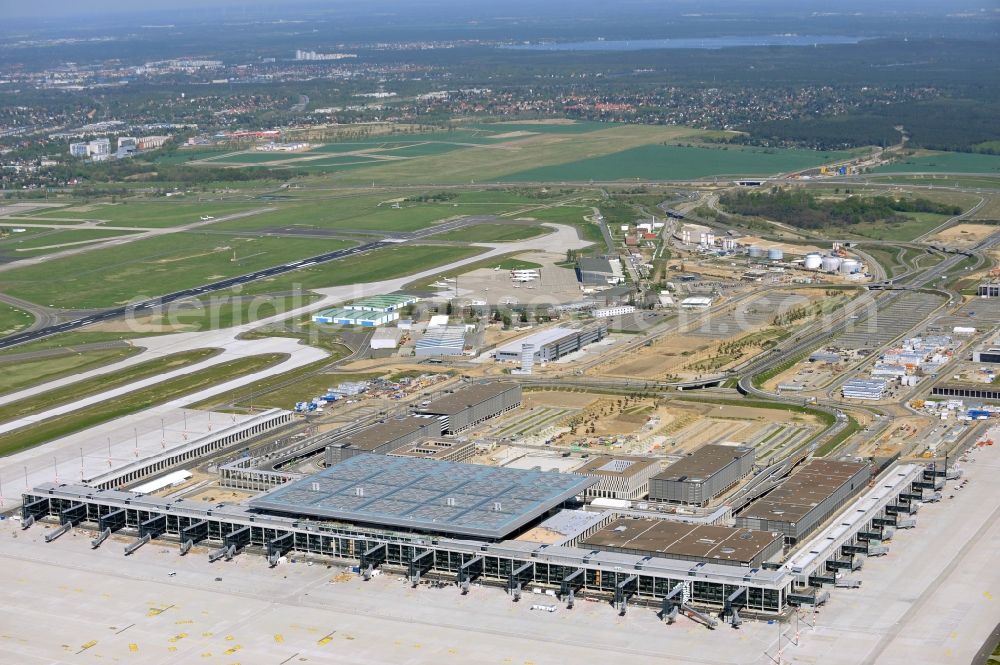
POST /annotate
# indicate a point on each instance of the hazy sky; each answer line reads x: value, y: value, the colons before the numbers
x: 57, y: 8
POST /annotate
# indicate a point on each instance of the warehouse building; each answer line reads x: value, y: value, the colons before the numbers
x: 441, y: 340
x: 473, y: 404
x: 355, y: 317
x: 385, y: 303
x: 625, y: 478
x: 620, y: 310
x: 599, y: 271
x: 806, y: 499
x: 697, y: 302
x: 973, y: 390
x: 383, y: 437
x: 868, y: 389
x: 702, y: 475
x: 688, y: 542
x: 386, y: 338
x: 553, y: 343
x: 988, y: 353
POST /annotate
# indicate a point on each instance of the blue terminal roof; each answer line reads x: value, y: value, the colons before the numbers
x: 425, y: 495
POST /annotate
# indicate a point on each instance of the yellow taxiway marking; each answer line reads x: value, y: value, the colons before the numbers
x: 279, y: 638
x: 233, y: 649
x: 133, y: 647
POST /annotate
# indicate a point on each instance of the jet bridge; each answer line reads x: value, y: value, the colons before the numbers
x: 570, y: 584
x: 192, y: 534
x: 519, y: 575
x: 278, y: 546
x: 372, y: 557
x: 624, y: 590
x: 154, y: 527
x: 731, y: 608
x: 468, y: 572
x: 232, y: 542
x: 108, y: 524
x: 419, y: 564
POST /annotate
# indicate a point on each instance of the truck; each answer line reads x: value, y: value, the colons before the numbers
x: 847, y: 583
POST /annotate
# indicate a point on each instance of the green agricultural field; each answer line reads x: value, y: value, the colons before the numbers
x: 495, y: 232
x: 50, y: 241
x: 945, y: 162
x: 116, y: 407
x: 57, y: 396
x: 153, y: 214
x: 674, y: 162
x: 153, y: 266
x: 12, y: 320
x: 19, y: 374
x: 388, y: 263
x: 496, y: 161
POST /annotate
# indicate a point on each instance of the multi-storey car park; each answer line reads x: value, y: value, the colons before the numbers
x: 703, y: 475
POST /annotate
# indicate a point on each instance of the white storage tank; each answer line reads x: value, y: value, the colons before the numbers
x: 755, y: 252
x: 775, y: 254
x: 813, y: 261
x: 830, y: 263
x: 850, y: 266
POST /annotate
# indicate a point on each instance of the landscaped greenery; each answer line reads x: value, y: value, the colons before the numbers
x: 152, y: 214
x: 53, y: 241
x: 26, y: 373
x: 13, y: 319
x: 55, y: 397
x: 225, y: 311
x: 494, y: 232
x: 153, y: 266
x: 374, y: 266
x: 116, y: 407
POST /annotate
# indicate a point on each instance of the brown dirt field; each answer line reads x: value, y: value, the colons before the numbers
x: 221, y: 495
x: 785, y: 247
x: 964, y: 234
x: 558, y: 399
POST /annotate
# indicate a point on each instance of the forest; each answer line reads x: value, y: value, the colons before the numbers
x: 804, y: 210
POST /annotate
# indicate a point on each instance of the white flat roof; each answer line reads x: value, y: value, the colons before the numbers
x: 539, y: 339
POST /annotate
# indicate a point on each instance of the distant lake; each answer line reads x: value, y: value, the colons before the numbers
x: 689, y: 42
